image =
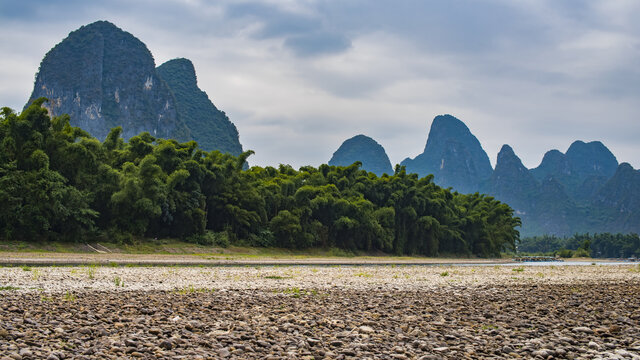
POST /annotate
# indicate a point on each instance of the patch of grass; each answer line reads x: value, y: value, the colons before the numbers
x: 8, y: 288
x: 25, y: 268
x: 444, y: 273
x: 518, y: 269
x: 575, y: 290
x: 340, y: 253
x: 68, y: 296
x: 363, y: 274
x: 118, y: 281
x: 190, y: 289
x: 35, y: 274
x: 276, y: 277
x: 297, y: 292
x: 91, y: 271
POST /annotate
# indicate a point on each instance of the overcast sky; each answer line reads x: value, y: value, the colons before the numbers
x: 299, y: 77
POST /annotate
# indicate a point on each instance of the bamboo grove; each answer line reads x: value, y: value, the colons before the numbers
x: 58, y: 182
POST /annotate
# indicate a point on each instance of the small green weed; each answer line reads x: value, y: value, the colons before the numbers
x: 35, y: 274
x: 91, y: 271
x: 363, y: 274
x: 25, y: 268
x: 444, y: 273
x: 118, y: 281
x: 68, y: 296
x: 519, y: 269
x: 193, y: 290
x: 8, y: 288
x: 297, y: 292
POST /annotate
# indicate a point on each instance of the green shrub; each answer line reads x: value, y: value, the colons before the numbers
x: 210, y: 238
x: 581, y: 253
x: 565, y: 253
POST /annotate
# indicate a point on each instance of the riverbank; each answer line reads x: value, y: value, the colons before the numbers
x: 401, y: 312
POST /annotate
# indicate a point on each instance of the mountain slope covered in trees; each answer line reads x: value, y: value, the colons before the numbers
x: 365, y: 150
x: 104, y: 77
x: 209, y: 127
x: 453, y: 155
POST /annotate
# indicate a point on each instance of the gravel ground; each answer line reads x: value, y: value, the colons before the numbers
x: 385, y: 312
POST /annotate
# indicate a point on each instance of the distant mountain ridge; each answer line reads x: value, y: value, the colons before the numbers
x: 582, y: 190
x: 105, y: 77
x: 366, y: 150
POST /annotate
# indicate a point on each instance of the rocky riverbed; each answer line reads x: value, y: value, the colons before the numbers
x: 376, y: 312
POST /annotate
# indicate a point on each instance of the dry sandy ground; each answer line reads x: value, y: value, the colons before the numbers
x: 371, y: 311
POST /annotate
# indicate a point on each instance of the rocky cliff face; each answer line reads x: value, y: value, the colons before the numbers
x: 366, y: 150
x: 209, y: 127
x: 453, y: 155
x: 105, y: 77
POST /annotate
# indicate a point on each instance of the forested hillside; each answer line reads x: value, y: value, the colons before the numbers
x: 58, y: 182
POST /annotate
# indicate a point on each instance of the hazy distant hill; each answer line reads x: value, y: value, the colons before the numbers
x: 104, y: 77
x: 453, y: 155
x: 584, y: 168
x: 366, y: 150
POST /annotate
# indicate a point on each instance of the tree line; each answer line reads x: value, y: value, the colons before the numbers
x: 59, y: 183
x: 605, y: 245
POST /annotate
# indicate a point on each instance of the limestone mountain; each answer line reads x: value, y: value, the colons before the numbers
x: 104, y: 77
x: 453, y: 155
x: 542, y: 206
x: 620, y: 195
x: 209, y: 127
x: 511, y: 182
x: 366, y: 150
x: 582, y: 170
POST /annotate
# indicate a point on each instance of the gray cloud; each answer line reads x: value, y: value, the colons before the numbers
x: 298, y: 78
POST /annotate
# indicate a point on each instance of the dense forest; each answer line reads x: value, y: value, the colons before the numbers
x: 595, y: 245
x: 59, y: 183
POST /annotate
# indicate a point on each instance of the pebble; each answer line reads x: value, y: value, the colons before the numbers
x: 377, y: 317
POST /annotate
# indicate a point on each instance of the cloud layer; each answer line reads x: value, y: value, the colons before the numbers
x: 299, y: 77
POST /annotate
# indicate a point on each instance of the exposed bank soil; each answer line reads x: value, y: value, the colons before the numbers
x: 92, y: 258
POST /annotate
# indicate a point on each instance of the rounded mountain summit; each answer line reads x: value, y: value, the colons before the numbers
x: 105, y: 77
x: 365, y: 150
